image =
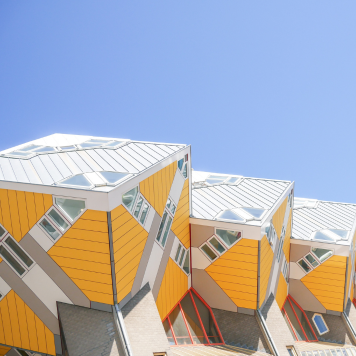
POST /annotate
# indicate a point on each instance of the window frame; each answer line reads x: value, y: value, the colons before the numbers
x: 316, y: 326
x: 68, y: 218
x: 177, y: 258
x: 185, y: 159
x: 61, y: 184
x: 54, y: 207
x: 164, y: 227
x: 205, y: 254
x: 225, y: 244
x: 315, y: 257
x: 144, y: 201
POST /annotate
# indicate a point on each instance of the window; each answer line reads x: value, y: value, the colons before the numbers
x: 166, y: 223
x: 297, y: 321
x: 113, y: 177
x: 70, y: 207
x: 192, y: 322
x: 219, y: 243
x: 281, y: 242
x: 285, y: 271
x: 128, y: 199
x: 50, y: 229
x: 331, y: 235
x: 141, y: 209
x: 183, y: 166
x: 219, y: 179
x: 229, y: 237
x: 255, y: 212
x: 209, y: 252
x: 78, y: 180
x: 182, y: 258
x: 14, y: 255
x: 229, y: 215
x: 271, y: 233
x: 291, y: 351
x: 314, y: 258
x: 320, y: 324
x: 58, y: 220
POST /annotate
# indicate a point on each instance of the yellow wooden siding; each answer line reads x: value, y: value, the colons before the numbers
x: 129, y: 239
x: 19, y: 211
x: 282, y: 291
x: 20, y: 326
x: 236, y: 273
x: 286, y: 244
x: 174, y: 285
x: 327, y: 282
x: 180, y: 225
x: 84, y: 255
x: 278, y: 217
x: 157, y: 187
x: 4, y: 350
x: 266, y: 259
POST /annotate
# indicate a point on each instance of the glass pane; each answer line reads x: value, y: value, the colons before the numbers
x: 128, y: 198
x: 161, y: 226
x: 179, y: 328
x: 11, y: 261
x: 207, y: 320
x: 168, y: 226
x: 178, y: 252
x: 217, y: 245
x: 67, y: 148
x: 294, y: 321
x: 168, y: 203
x: 45, y: 149
x: 290, y: 352
x: 180, y: 164
x: 98, y: 140
x: 320, y: 236
x: 290, y: 327
x: 185, y: 171
x: 89, y: 144
x: 113, y: 177
x: 321, y: 253
x: 322, y: 353
x: 19, y: 153
x: 138, y: 207
x: 78, y: 180
x: 303, y: 321
x: 257, y: 213
x: 28, y: 148
x: 304, y: 353
x: 333, y: 352
x: 72, y: 208
x: 186, y: 266
x: 232, y: 180
x: 22, y: 352
x: 311, y: 260
x: 114, y: 143
x: 182, y: 257
x: 17, y: 250
x: 221, y: 178
x: 320, y: 324
x: 315, y: 353
x: 228, y: 236
x: 144, y: 213
x: 342, y: 233
x: 168, y: 331
x: 50, y: 229
x: 304, y: 265
x: 344, y: 353
x: 328, y: 353
x: 61, y: 223
x: 339, y: 353
x: 209, y: 252
x: 229, y: 215
x: 192, y: 320
x: 2, y: 231
x: 173, y: 209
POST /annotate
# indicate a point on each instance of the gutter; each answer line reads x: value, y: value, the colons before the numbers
x: 266, y: 332
x: 120, y: 326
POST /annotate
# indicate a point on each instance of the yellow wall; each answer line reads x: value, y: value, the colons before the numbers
x: 180, y: 225
x: 282, y: 291
x: 156, y: 187
x: 25, y: 329
x: 278, y: 217
x: 236, y: 273
x: 4, y: 350
x: 286, y: 244
x: 83, y: 253
x: 19, y: 211
x: 265, y: 267
x: 327, y: 282
x: 173, y: 287
x: 129, y: 239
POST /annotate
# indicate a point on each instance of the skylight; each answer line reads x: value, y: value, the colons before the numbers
x: 331, y: 235
x: 255, y: 212
x: 213, y: 179
x: 229, y: 215
x: 78, y: 180
x: 113, y: 177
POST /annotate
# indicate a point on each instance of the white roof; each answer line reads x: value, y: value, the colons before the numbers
x: 209, y: 198
x: 323, y: 221
x: 57, y: 157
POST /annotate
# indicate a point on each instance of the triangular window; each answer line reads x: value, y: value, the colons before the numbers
x: 192, y: 322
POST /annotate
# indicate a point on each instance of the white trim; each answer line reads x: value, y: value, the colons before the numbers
x: 225, y: 244
x: 316, y: 326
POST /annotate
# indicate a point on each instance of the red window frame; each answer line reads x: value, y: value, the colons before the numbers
x: 289, y: 299
x: 190, y: 291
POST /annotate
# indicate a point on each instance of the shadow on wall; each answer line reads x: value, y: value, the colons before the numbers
x: 240, y: 330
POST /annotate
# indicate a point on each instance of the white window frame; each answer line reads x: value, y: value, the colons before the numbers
x: 315, y: 257
x: 14, y: 255
x: 224, y: 243
x: 63, y: 212
x: 144, y: 201
x: 183, y: 252
x: 220, y: 241
x: 185, y: 159
x: 273, y: 236
x: 285, y: 271
x: 317, y: 314
x: 169, y: 215
x: 46, y: 232
x: 205, y: 254
x: 59, y: 183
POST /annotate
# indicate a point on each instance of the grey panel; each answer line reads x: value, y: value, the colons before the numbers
x: 101, y: 162
x: 166, y: 149
x: 210, y: 291
x: 157, y: 149
x: 105, y: 156
x: 30, y: 298
x: 146, y: 254
x: 304, y: 297
x: 101, y: 306
x: 30, y: 172
x: 20, y: 173
x: 333, y: 312
x: 51, y: 168
x: 68, y: 287
x: 200, y: 234
x: 130, y: 159
x: 152, y: 152
x: 131, y: 151
x: 12, y: 352
x: 58, y: 345
x: 83, y: 166
x: 7, y: 170
x: 163, y: 264
x: 144, y: 154
x: 125, y: 300
x: 61, y: 166
x: 246, y: 311
x: 298, y: 251
x: 123, y: 162
x: 42, y: 171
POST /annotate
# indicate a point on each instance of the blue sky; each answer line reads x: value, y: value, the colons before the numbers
x: 258, y: 88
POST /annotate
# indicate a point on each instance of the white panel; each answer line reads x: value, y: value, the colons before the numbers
x: 41, y: 238
x: 199, y: 261
x: 149, y: 219
x: 152, y: 265
x: 295, y: 272
x: 45, y: 289
x: 177, y: 186
x: 4, y: 288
